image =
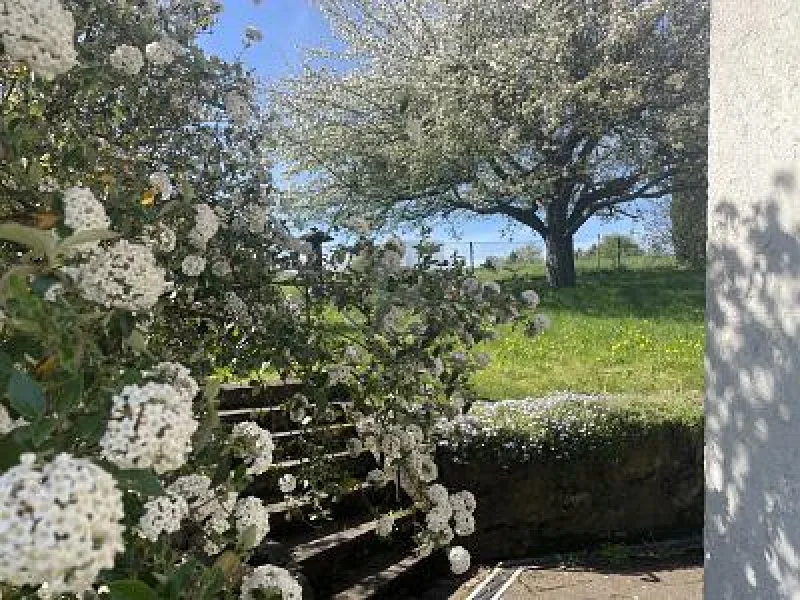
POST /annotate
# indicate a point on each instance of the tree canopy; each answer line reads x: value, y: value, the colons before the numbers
x: 545, y: 111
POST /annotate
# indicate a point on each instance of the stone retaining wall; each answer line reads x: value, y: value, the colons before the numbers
x: 649, y: 487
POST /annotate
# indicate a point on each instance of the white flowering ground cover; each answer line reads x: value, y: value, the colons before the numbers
x: 562, y: 426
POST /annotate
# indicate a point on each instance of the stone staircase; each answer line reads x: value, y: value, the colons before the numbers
x: 329, y: 536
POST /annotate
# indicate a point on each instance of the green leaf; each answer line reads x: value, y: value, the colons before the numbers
x: 139, y: 480
x: 211, y: 583
x: 40, y: 285
x: 6, y: 369
x: 40, y: 432
x: 69, y: 392
x: 131, y: 589
x: 9, y: 452
x: 26, y: 395
x: 249, y: 538
x: 91, y: 425
x: 40, y: 241
x: 179, y: 580
x: 84, y: 237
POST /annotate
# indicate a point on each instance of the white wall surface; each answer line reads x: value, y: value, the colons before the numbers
x: 752, y: 466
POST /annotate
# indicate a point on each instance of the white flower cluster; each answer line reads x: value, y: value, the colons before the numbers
x: 162, y: 515
x: 82, y: 211
x: 298, y: 407
x: 208, y: 507
x: 252, y: 521
x: 160, y: 238
x: 160, y: 53
x: 406, y: 446
x: 459, y: 559
x: 530, y: 298
x: 287, y: 483
x: 151, y: 425
x: 237, y: 308
x: 7, y: 424
x: 539, y: 324
x: 472, y: 288
x: 393, y: 254
x: 127, y: 59
x: 491, y: 287
x: 237, y: 108
x: 160, y: 181
x: 177, y: 375
x: 255, y: 217
x: 270, y: 578
x: 40, y: 34
x: 254, y: 445
x: 193, y: 265
x: 221, y: 267
x: 445, y: 507
x: 481, y: 360
x: 60, y: 523
x: 377, y: 477
x: 206, y: 226
x: 123, y: 275
x: 384, y: 525
x: 355, y: 447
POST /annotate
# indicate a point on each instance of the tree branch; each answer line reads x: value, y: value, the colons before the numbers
x: 526, y: 217
x: 589, y: 204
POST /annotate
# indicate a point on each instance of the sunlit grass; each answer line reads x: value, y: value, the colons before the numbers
x: 638, y: 331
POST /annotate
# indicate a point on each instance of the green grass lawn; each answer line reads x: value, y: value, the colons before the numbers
x: 636, y: 331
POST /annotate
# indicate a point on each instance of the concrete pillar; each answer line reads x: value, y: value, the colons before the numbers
x: 752, y: 526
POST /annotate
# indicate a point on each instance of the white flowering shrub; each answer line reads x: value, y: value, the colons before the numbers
x: 62, y: 523
x: 109, y: 450
x: 129, y: 277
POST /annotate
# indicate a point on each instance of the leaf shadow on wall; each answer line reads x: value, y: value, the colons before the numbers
x: 752, y: 470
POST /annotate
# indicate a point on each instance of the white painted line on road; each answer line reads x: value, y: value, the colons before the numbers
x: 508, y: 583
x: 486, y: 581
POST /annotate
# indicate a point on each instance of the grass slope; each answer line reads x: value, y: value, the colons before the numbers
x: 637, y: 331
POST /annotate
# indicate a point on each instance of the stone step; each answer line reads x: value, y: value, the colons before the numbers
x: 253, y: 413
x: 238, y: 396
x: 332, y: 468
x: 328, y: 428
x: 276, y: 418
x: 290, y: 465
x: 308, y: 550
x: 233, y: 395
x: 335, y: 559
x: 303, y: 520
x: 379, y: 583
x: 308, y: 500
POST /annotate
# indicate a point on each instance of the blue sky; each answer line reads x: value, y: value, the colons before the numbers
x: 290, y: 25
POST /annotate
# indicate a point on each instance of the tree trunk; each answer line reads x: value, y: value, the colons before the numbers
x: 559, y: 245
x: 560, y: 260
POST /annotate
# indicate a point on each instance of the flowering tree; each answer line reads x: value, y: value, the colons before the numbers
x: 132, y: 223
x: 547, y: 112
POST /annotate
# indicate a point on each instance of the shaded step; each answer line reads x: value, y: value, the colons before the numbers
x: 232, y: 396
x: 308, y: 499
x: 278, y: 412
x: 302, y: 519
x: 332, y: 427
x: 332, y: 468
x: 380, y: 584
x: 236, y: 396
x: 338, y: 560
x: 308, y: 550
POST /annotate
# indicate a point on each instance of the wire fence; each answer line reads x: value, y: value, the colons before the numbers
x: 605, y: 254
